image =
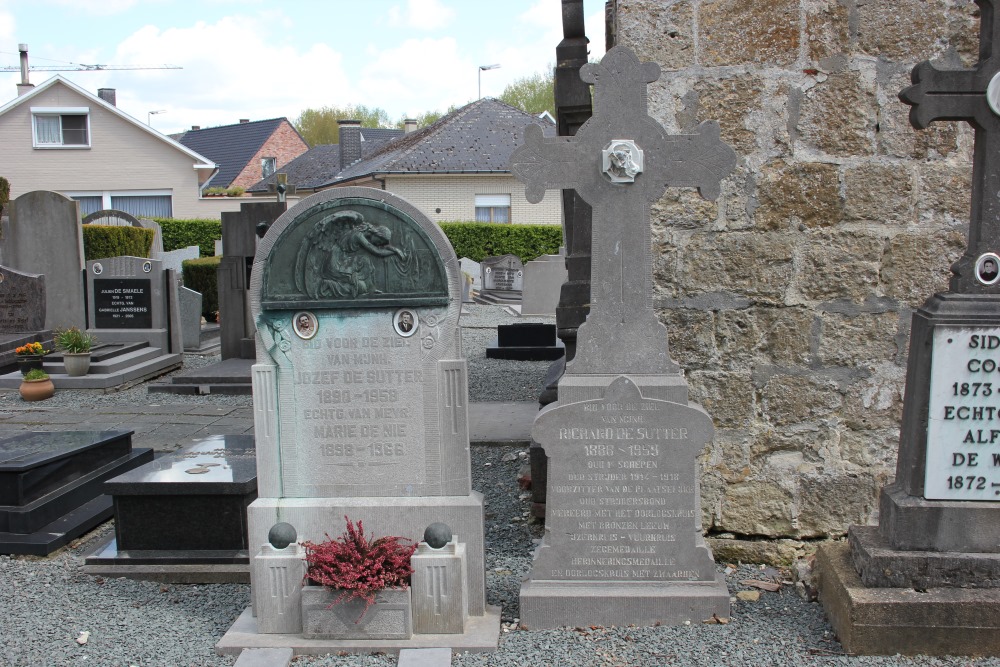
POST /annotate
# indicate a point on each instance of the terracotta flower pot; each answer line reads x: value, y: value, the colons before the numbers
x: 36, y: 390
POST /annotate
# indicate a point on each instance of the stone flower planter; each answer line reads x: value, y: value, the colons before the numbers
x: 25, y: 362
x: 389, y: 618
x: 76, y: 364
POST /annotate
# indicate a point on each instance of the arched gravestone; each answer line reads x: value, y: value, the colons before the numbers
x: 360, y: 387
x: 112, y: 218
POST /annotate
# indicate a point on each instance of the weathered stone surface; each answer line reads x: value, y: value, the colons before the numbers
x: 838, y: 115
x: 787, y: 334
x: 684, y: 209
x: 945, y: 193
x: 917, y: 265
x: 907, y: 29
x: 727, y: 395
x: 779, y: 553
x: 840, y: 266
x: 828, y: 502
x: 875, y: 449
x: 664, y: 34
x: 793, y: 194
x: 757, y: 507
x: 733, y: 102
x: 878, y: 193
x: 791, y: 399
x: 765, y: 33
x: 858, y: 340
x: 827, y: 29
x: 690, y: 335
x: 897, y: 138
x: 755, y: 265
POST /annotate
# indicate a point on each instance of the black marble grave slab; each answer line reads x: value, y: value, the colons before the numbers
x: 51, y: 485
x: 185, y: 508
x: 526, y: 342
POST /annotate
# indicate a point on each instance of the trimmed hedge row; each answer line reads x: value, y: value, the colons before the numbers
x: 201, y: 275
x: 202, y: 232
x: 100, y: 241
x: 477, y: 240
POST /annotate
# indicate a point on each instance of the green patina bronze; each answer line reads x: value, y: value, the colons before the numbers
x: 353, y: 253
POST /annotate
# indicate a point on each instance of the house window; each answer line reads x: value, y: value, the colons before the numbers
x: 492, y: 208
x: 61, y: 127
x: 268, y: 166
x: 140, y: 203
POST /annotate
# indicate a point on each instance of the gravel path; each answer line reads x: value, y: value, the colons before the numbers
x: 46, y: 603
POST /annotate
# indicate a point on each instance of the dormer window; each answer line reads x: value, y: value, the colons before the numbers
x: 66, y: 127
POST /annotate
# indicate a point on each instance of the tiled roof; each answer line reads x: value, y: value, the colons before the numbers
x: 320, y: 164
x: 230, y: 146
x: 479, y: 137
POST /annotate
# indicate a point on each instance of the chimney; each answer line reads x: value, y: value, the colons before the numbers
x: 410, y: 125
x: 108, y: 95
x: 350, y: 142
x: 244, y: 121
x: 24, y: 86
x: 196, y: 127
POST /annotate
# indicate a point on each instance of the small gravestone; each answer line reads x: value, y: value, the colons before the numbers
x: 179, y: 517
x: 51, y: 485
x: 360, y: 399
x: 502, y: 274
x: 45, y: 237
x: 526, y: 341
x: 190, y: 307
x: 543, y: 280
x: 939, y: 520
x: 623, y: 538
x: 22, y: 302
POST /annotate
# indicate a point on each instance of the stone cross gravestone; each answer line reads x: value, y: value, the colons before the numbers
x: 45, y: 236
x: 360, y: 390
x: 623, y: 541
x: 939, y: 520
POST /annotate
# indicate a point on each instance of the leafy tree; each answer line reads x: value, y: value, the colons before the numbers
x: 532, y: 94
x: 319, y: 126
x: 4, y: 193
x: 426, y: 118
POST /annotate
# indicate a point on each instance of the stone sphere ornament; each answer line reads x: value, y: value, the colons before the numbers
x: 437, y: 535
x: 281, y: 535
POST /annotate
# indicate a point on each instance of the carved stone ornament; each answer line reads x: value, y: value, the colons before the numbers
x: 622, y: 161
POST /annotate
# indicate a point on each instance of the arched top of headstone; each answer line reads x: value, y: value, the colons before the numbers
x: 113, y: 218
x: 352, y: 248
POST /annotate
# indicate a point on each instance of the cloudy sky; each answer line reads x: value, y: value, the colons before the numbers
x: 255, y: 59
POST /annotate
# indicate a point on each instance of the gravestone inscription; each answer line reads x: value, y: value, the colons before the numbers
x: 22, y: 301
x: 123, y: 303
x: 623, y: 542
x: 504, y: 273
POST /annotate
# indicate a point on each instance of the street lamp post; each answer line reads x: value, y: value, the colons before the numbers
x: 150, y: 114
x: 483, y: 68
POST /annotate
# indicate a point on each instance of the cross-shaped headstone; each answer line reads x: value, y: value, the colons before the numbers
x: 971, y: 95
x: 621, y: 161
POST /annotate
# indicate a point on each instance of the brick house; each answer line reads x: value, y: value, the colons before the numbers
x: 247, y: 151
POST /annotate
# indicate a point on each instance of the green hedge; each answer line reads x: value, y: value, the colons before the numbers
x: 182, y: 233
x: 101, y: 241
x: 477, y: 240
x: 201, y: 275
x: 4, y: 193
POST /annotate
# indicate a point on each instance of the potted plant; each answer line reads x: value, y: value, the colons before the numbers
x: 75, y: 346
x: 36, y: 385
x: 30, y: 356
x: 357, y: 588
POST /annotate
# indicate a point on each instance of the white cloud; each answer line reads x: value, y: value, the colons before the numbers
x: 428, y: 14
x: 97, y: 7
x: 233, y: 68
x: 7, y: 26
x: 430, y: 73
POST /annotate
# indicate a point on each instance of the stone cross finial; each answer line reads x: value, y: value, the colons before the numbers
x: 620, y: 161
x: 973, y: 96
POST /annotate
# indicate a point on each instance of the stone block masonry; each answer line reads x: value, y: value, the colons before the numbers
x: 788, y: 300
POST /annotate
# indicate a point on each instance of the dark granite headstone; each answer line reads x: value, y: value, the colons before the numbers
x: 50, y: 485
x: 22, y: 301
x: 123, y: 303
x: 184, y: 508
x: 526, y: 342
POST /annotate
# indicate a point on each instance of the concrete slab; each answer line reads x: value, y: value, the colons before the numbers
x: 481, y: 636
x: 887, y: 621
x: 265, y: 657
x: 424, y: 657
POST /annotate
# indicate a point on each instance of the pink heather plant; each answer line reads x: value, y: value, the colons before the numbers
x: 359, y: 568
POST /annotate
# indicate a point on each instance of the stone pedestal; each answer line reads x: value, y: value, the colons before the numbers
x: 281, y: 571
x: 440, y: 588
